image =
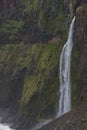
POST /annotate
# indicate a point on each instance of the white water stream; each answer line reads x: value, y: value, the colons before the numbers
x: 64, y: 92
x: 5, y: 127
x: 4, y: 113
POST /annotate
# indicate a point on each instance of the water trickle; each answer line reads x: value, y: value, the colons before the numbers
x: 64, y: 92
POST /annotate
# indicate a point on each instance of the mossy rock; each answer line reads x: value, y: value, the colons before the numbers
x: 32, y: 70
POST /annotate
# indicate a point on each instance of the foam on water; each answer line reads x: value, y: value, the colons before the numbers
x: 5, y: 127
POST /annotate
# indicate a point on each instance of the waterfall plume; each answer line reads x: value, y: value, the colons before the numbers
x: 64, y: 92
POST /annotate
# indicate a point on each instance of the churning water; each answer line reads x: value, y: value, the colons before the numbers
x: 64, y: 92
x: 4, y: 127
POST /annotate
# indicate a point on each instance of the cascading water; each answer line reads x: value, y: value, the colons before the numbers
x: 65, y: 83
x: 64, y: 92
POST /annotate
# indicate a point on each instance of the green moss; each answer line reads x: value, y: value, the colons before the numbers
x: 11, y: 26
x: 40, y: 82
x: 30, y: 4
x: 9, y: 30
x: 48, y: 19
x: 33, y: 68
x: 45, y: 62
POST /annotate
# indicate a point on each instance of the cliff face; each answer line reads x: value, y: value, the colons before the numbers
x: 32, y: 34
x: 7, y: 8
x: 29, y: 72
x: 29, y: 80
x: 37, y: 21
x: 79, y: 70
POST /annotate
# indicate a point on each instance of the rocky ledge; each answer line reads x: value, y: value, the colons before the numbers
x: 74, y: 120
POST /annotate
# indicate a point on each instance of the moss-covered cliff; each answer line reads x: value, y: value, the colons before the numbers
x: 32, y: 34
x: 34, y: 21
x: 29, y: 72
x: 29, y: 78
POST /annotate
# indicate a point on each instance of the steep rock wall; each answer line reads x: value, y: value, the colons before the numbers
x: 79, y: 62
x: 34, y: 21
x: 29, y: 73
x: 29, y: 80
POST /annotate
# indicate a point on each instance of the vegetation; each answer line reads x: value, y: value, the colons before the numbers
x: 29, y: 59
x: 37, y: 65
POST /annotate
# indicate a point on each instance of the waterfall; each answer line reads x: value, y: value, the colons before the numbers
x: 64, y: 92
x: 65, y: 83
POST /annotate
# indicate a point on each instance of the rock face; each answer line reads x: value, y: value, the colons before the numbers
x: 32, y: 35
x: 35, y: 21
x: 76, y: 119
x: 29, y: 81
x: 29, y: 72
x: 79, y: 69
x: 7, y: 8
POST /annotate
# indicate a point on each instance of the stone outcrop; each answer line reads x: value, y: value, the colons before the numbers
x: 74, y: 120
